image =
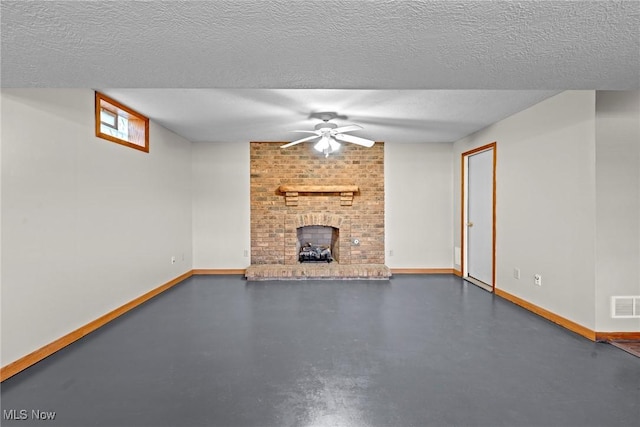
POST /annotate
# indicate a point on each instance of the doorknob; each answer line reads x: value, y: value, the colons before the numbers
x: 469, y: 224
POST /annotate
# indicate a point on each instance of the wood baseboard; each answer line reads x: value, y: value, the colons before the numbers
x: 617, y: 336
x: 422, y: 271
x: 34, y: 357
x: 214, y: 271
x: 552, y: 317
x: 457, y: 272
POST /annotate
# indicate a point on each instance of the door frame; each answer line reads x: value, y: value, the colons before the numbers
x: 464, y: 163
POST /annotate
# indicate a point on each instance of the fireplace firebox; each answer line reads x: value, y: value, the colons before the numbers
x: 317, y: 243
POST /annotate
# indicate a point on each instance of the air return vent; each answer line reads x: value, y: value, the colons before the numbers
x: 625, y: 307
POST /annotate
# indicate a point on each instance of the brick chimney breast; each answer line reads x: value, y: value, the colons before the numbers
x: 357, y: 214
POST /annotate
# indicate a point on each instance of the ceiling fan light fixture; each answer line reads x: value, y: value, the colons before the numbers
x: 327, y: 145
x: 330, y: 134
x: 322, y: 145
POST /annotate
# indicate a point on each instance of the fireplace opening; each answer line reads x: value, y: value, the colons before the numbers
x: 318, y: 243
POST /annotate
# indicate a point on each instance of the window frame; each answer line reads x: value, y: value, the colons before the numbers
x: 111, y: 114
x: 136, y: 120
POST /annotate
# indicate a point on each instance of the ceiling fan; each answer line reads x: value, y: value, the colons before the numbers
x: 329, y: 134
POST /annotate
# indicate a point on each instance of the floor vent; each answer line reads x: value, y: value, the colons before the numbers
x: 625, y: 307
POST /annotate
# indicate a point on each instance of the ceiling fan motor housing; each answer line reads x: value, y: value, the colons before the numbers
x: 325, y: 125
x: 325, y: 116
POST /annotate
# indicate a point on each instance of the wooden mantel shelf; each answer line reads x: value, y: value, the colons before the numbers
x: 318, y: 188
x: 291, y: 192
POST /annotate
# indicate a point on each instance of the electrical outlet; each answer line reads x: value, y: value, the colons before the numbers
x: 390, y: 252
x: 246, y: 253
x: 516, y: 273
x: 173, y: 260
x: 537, y: 279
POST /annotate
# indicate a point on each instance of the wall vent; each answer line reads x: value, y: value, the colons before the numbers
x: 625, y: 307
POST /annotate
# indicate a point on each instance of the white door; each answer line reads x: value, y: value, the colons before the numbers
x: 480, y: 216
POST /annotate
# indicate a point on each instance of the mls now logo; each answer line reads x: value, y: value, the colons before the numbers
x: 23, y: 414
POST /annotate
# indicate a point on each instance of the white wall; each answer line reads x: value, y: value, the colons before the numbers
x: 617, y: 204
x: 221, y: 211
x: 545, y: 203
x: 418, y: 205
x: 87, y: 225
x: 416, y: 176
x: 418, y: 192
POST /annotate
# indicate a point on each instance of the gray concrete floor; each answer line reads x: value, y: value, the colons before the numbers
x: 415, y: 351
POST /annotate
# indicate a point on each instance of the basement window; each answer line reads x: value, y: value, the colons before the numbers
x: 120, y: 124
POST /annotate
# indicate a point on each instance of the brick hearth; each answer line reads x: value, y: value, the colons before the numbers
x: 318, y: 271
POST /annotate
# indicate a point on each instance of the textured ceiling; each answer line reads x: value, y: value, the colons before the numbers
x: 222, y: 46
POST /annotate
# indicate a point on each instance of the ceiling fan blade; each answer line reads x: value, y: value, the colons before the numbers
x: 347, y: 128
x: 309, y: 138
x: 354, y: 140
x: 307, y: 131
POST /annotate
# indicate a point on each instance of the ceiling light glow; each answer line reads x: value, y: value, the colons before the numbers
x: 327, y: 145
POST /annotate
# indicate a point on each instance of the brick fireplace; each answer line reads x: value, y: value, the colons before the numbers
x: 298, y: 187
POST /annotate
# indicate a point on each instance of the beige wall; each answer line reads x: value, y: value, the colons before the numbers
x: 87, y: 225
x: 546, y: 217
x: 416, y: 175
x: 618, y: 204
x: 419, y: 205
x: 221, y: 227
